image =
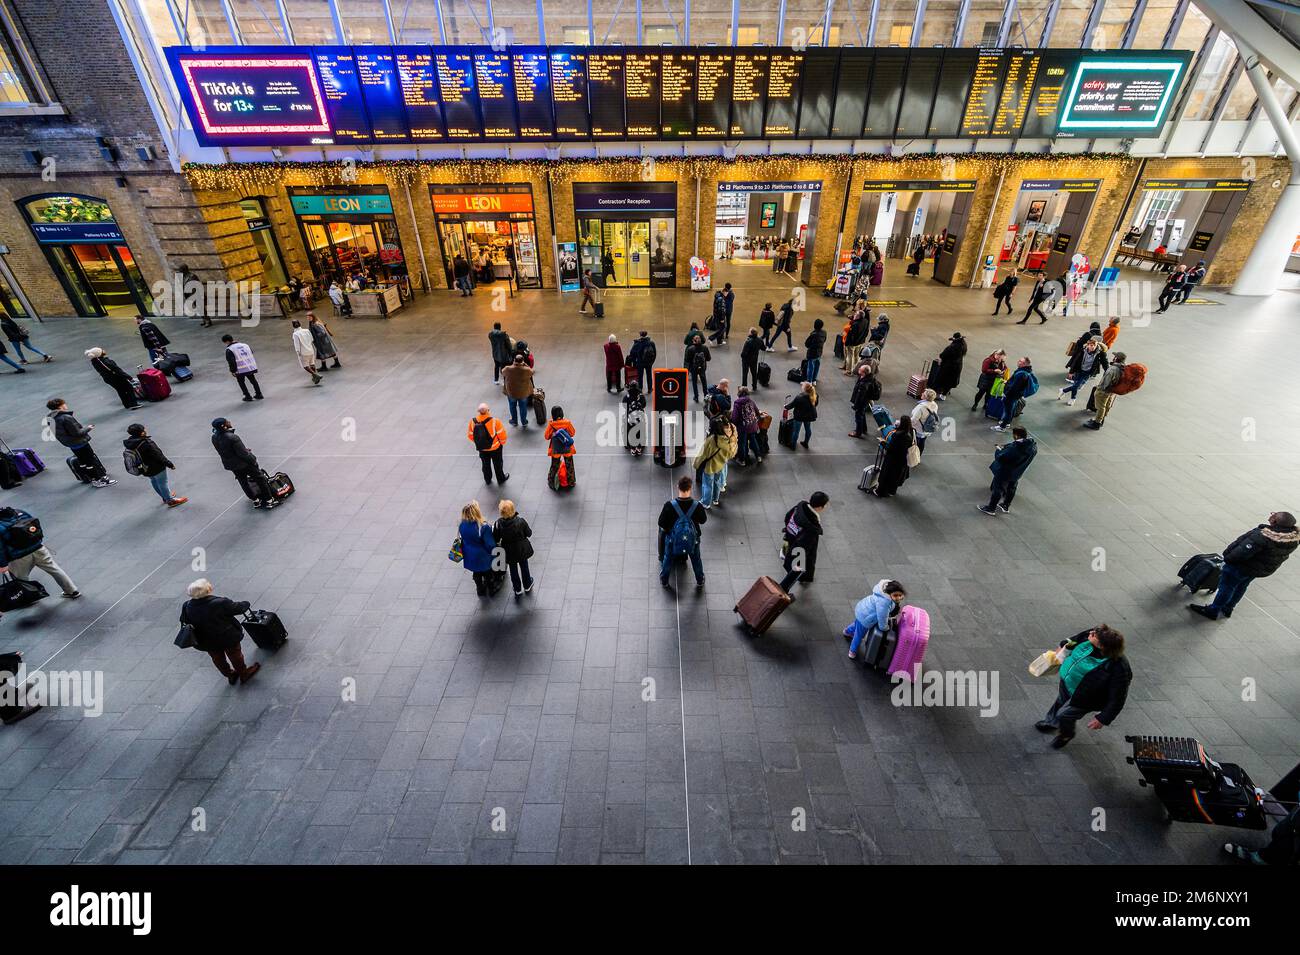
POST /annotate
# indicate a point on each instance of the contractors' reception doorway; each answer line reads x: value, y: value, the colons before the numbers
x: 627, y: 233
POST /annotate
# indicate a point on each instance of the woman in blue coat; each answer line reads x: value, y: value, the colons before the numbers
x: 477, y: 545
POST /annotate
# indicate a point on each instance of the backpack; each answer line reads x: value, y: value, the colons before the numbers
x: 1130, y: 379
x: 1031, y: 386
x: 749, y: 416
x: 685, y: 536
x: 482, y: 436
x: 132, y: 463
x: 561, y: 441
x: 699, y: 362
x: 20, y: 534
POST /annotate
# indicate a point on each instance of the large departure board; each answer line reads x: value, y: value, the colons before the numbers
x: 419, y: 82
x: 328, y: 95
x: 496, y: 94
x: 641, y: 95
x: 713, y: 73
x: 605, y: 94
x: 569, y: 94
x: 677, y: 100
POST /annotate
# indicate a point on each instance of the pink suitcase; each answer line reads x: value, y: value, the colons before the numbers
x: 913, y: 638
x: 153, y: 385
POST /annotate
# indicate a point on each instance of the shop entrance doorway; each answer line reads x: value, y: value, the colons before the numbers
x: 499, y: 241
x: 1047, y: 224
x: 765, y: 227
x: 89, y: 255
x: 624, y: 249
x: 1180, y: 221
x: 918, y: 223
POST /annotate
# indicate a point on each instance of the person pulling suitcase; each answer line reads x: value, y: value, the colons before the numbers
x: 242, y: 463
x: 214, y: 628
x: 800, y: 534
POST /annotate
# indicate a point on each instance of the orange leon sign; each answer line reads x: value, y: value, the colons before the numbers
x: 483, y: 203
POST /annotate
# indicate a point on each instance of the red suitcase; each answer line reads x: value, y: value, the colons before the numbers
x: 760, y: 607
x: 917, y: 384
x: 153, y: 385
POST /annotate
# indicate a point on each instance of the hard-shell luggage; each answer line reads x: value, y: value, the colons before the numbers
x: 918, y: 383
x: 914, y: 268
x: 785, y: 432
x: 913, y: 638
x: 182, y: 373
x: 1201, y: 572
x: 153, y: 385
x: 28, y: 462
x: 765, y: 374
x: 538, y: 402
x: 878, y: 647
x: 79, y: 471
x: 761, y: 605
x: 265, y: 629
x: 280, y: 484
x: 600, y: 309
x: 1193, y: 787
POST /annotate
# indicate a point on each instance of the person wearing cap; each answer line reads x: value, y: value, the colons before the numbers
x: 950, y: 361
x: 1256, y: 553
x: 1194, y: 277
x: 242, y: 463
x: 1105, y: 397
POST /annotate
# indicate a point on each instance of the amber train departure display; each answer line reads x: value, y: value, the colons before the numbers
x: 339, y: 95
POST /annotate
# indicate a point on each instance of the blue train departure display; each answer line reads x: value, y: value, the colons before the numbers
x: 337, y: 95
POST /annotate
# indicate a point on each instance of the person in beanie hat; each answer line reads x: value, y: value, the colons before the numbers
x: 241, y: 462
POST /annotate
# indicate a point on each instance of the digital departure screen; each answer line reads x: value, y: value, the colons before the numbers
x: 532, y: 71
x: 420, y: 93
x: 337, y: 67
x: 713, y: 73
x: 677, y: 100
x: 327, y: 95
x: 377, y: 69
x: 459, y: 95
x: 496, y: 94
x: 783, y: 75
x: 569, y: 94
x: 605, y: 93
x: 641, y: 95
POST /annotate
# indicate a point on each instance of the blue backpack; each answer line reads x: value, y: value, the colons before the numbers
x: 561, y: 442
x: 685, y: 536
x: 1031, y: 386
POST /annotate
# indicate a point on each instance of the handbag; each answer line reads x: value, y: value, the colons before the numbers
x: 913, y: 455
x: 186, y: 637
x: 457, y: 552
x: 997, y: 388
x: 16, y: 594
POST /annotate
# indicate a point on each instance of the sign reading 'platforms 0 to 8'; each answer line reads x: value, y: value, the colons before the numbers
x: 338, y: 95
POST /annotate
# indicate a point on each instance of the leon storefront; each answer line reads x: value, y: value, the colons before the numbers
x: 491, y: 220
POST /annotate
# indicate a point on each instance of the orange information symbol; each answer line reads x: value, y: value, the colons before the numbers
x: 669, y: 386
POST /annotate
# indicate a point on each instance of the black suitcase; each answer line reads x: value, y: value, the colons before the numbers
x: 1201, y: 572
x: 1193, y: 787
x: 281, y: 486
x: 265, y: 629
x: 764, y: 445
x: 839, y: 347
x: 600, y: 309
x: 765, y: 374
x: 10, y: 476
x: 785, y: 433
x: 914, y: 268
x: 79, y: 470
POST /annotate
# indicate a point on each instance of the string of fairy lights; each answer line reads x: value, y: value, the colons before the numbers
x: 252, y: 177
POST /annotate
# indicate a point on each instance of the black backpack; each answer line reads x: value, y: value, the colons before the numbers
x: 482, y: 436
x: 20, y: 534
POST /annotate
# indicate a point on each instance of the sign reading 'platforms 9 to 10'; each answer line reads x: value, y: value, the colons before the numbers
x: 339, y: 95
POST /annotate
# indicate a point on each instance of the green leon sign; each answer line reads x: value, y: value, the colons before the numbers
x: 351, y: 204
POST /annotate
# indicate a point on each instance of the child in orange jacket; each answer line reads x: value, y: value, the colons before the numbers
x: 560, y: 434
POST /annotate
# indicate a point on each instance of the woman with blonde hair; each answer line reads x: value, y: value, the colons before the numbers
x: 477, y: 545
x: 512, y: 532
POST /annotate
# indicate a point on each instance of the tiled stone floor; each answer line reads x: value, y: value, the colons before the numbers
x: 533, y: 713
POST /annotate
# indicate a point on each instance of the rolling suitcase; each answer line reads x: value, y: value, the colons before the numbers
x: 882, y: 416
x: 600, y: 309
x: 764, y: 445
x: 1193, y: 787
x: 1201, y: 573
x: 993, y: 406
x: 10, y: 476
x: 79, y: 470
x: 878, y: 647
x: 182, y: 373
x: 153, y: 385
x: 265, y: 629
x: 839, y: 347
x: 281, y: 486
x: 765, y: 374
x: 761, y: 605
x: 28, y: 462
x: 538, y: 401
x: 918, y: 383
x: 785, y: 433
x: 913, y: 638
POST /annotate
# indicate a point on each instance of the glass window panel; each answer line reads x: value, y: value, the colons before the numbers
x: 810, y: 17
x: 203, y: 21
x: 1241, y: 99
x: 465, y: 21
x: 13, y: 91
x: 517, y: 20
x: 658, y: 34
x: 160, y: 22
x: 710, y: 22
x: 415, y: 21
x: 939, y: 22
x: 982, y: 23
x: 1153, y: 26
x: 1071, y: 18
x: 259, y: 21
x: 1115, y: 15
x: 894, y: 22
x: 363, y: 21
x: 849, y: 23
x: 1200, y: 105
x: 1191, y: 34
x: 310, y: 21
x: 615, y: 21
x: 1027, y: 23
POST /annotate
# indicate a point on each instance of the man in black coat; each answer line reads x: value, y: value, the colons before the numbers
x: 1037, y: 296
x: 1256, y: 553
x: 641, y: 356
x: 814, y: 343
x: 866, y: 391
x: 152, y: 337
x: 684, y: 505
x: 217, y: 631
x: 1009, y: 462
x: 75, y: 436
x: 502, y: 351
x: 749, y: 354
x: 800, y: 535
x: 241, y: 462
